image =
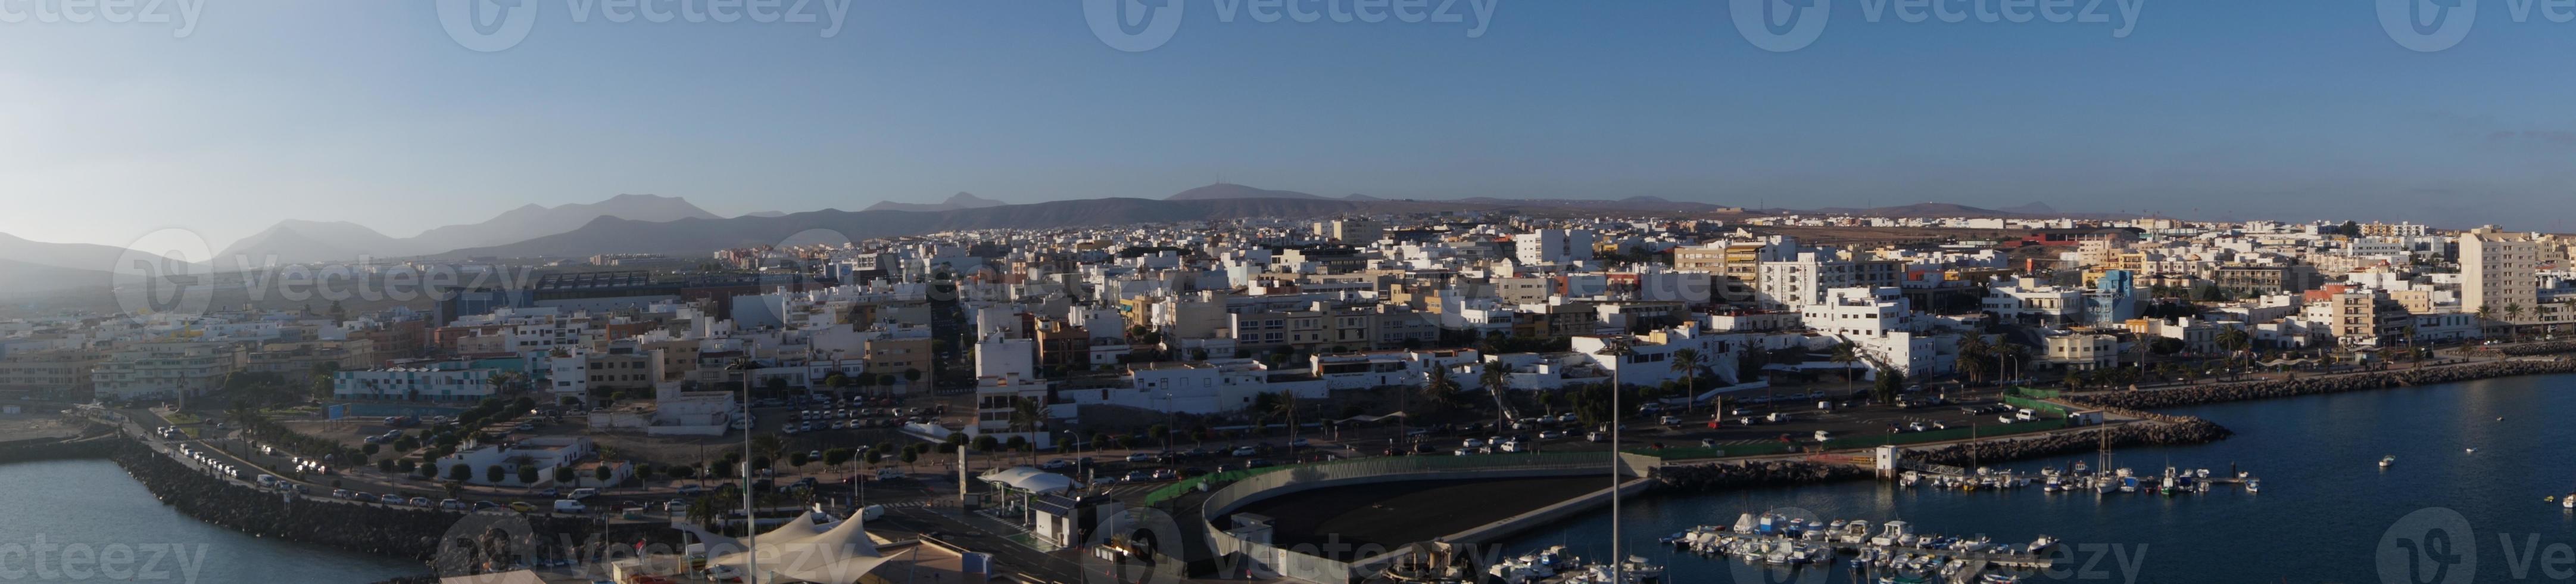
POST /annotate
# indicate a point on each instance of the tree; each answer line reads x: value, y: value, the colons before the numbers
x: 385, y: 465
x: 603, y: 473
x: 493, y: 474
x: 527, y: 474
x: 1845, y: 354
x: 1891, y: 382
x: 563, y: 475
x: 2512, y: 315
x: 836, y: 457
x: 369, y: 449
x: 986, y: 443
x: 909, y: 456
x: 799, y: 459
x: 1438, y: 390
x: 459, y: 472
x: 1689, y: 362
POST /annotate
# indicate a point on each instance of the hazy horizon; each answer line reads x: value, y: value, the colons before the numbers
x: 239, y: 116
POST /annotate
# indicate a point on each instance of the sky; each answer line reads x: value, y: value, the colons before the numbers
x: 245, y: 113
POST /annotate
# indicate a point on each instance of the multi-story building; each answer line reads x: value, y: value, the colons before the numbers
x: 1553, y: 246
x: 1792, y: 282
x: 2497, y: 278
x: 166, y: 369
x: 1738, y: 266
x: 48, y: 374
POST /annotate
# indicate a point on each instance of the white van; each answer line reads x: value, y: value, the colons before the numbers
x: 570, y: 506
x: 579, y: 494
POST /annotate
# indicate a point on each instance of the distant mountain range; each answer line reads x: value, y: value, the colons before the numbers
x: 297, y: 241
x: 671, y: 225
x: 697, y: 236
x: 69, y: 256
x: 957, y: 201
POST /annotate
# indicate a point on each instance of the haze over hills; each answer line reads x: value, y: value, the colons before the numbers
x: 73, y: 256
x: 1221, y: 191
x: 533, y: 221
x: 21, y: 278
x: 961, y: 200
x: 297, y: 241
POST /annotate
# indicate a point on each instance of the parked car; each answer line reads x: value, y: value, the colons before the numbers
x: 1165, y: 474
x: 522, y: 507
x: 583, y: 493
x: 342, y: 494
x: 420, y: 502
x: 1140, y: 457
x: 1246, y: 451
x: 691, y: 490
x: 570, y: 506
x: 1056, y: 464
x: 453, y: 505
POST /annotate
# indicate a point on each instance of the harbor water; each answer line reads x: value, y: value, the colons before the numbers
x: 81, y: 521
x: 2324, y: 508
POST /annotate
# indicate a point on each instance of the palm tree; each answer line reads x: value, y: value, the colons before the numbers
x: 1494, y: 377
x: 1438, y: 388
x: 1688, y: 362
x: 2486, y: 314
x: 1973, y: 353
x: 1845, y: 354
x: 2512, y: 315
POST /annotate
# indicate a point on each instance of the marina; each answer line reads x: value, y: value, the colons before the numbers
x: 2313, y: 460
x: 1894, y: 548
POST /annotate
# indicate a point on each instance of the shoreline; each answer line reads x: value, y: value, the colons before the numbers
x: 404, y: 534
x: 2320, y: 385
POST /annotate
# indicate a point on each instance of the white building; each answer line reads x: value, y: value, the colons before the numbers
x: 1553, y: 246
x: 414, y: 384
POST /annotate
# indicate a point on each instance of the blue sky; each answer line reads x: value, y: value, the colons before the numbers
x: 370, y: 112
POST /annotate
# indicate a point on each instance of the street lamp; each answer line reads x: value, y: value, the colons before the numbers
x: 750, y: 523
x: 1618, y: 350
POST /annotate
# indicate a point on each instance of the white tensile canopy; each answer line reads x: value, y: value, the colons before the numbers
x: 804, y: 550
x: 1031, y: 480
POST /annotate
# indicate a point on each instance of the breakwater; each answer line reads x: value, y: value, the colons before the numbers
x: 2178, y: 431
x: 2530, y: 349
x: 415, y: 534
x: 55, y: 449
x: 2272, y: 388
x: 1769, y: 473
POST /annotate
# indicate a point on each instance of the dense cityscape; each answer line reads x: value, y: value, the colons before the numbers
x: 1286, y: 292
x: 1015, y: 403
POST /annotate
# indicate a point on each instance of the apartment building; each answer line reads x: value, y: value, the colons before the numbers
x: 166, y: 369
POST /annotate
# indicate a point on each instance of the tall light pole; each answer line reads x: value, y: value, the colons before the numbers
x: 1618, y: 351
x: 750, y: 520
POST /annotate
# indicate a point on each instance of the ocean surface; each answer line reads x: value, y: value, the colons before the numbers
x: 2326, y: 513
x: 86, y: 521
